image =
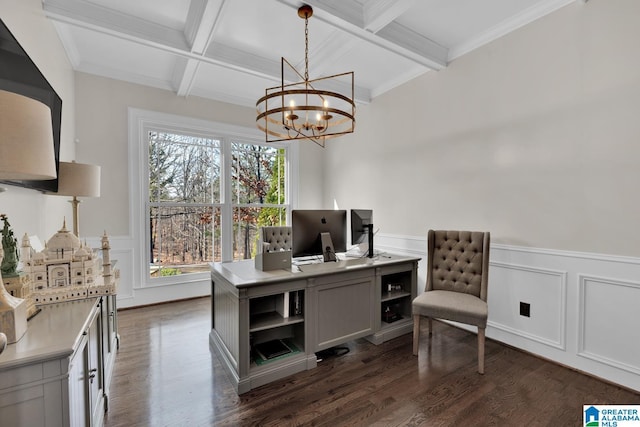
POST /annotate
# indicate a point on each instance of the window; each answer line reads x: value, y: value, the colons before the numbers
x: 184, y: 202
x: 258, y: 192
x: 205, y: 189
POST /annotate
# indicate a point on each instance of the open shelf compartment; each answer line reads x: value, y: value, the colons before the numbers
x: 276, y: 322
x: 395, y: 298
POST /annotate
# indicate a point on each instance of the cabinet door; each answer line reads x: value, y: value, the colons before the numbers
x: 109, y: 342
x: 344, y: 312
x: 94, y: 369
x: 86, y: 401
x: 112, y: 323
x: 78, y: 396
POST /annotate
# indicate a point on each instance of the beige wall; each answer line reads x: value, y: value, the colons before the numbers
x: 102, y: 133
x: 30, y: 211
x: 534, y: 137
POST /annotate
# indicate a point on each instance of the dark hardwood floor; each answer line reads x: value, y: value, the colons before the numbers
x: 165, y: 375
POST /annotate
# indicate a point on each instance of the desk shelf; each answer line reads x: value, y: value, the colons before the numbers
x: 272, y: 319
x: 394, y: 295
x: 258, y: 363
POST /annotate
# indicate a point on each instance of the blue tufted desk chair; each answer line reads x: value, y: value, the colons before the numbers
x: 457, y: 278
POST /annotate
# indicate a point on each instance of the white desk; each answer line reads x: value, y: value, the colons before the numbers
x: 338, y: 302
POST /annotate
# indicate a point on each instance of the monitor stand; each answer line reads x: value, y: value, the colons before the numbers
x: 328, y: 254
x: 370, y: 236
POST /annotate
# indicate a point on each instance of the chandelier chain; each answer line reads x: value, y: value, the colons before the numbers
x: 306, y: 48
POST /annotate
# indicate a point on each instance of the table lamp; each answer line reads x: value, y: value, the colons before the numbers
x: 78, y: 180
x: 26, y: 153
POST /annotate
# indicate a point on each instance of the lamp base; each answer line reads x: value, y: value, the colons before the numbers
x: 13, y: 316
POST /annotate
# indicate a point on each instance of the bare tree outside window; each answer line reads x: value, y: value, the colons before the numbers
x: 186, y: 204
x: 258, y: 188
x: 184, y: 196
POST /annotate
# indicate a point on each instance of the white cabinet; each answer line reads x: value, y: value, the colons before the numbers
x: 55, y: 374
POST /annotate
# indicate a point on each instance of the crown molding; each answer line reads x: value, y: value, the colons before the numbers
x: 507, y: 26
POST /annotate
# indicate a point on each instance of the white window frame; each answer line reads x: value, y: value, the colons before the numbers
x: 143, y: 121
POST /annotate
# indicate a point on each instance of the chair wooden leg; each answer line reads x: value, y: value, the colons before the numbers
x: 416, y: 333
x: 481, y: 350
x: 430, y: 324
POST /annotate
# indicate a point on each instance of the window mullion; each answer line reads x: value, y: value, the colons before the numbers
x: 227, y: 208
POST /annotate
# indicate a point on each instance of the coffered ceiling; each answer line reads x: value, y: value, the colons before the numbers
x: 230, y: 50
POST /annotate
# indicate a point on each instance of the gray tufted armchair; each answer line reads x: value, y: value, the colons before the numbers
x: 278, y: 237
x: 457, y: 278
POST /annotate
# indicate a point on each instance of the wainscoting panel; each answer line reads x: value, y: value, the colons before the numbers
x: 545, y: 292
x: 122, y: 253
x: 584, y: 306
x: 604, y: 305
x: 124, y: 258
x: 131, y: 292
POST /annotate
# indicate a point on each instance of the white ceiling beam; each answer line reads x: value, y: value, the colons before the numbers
x: 184, y: 75
x: 267, y: 68
x: 380, y: 13
x: 202, y: 18
x: 85, y: 15
x: 349, y: 17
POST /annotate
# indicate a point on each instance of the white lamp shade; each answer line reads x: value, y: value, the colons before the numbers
x: 78, y: 179
x: 26, y: 138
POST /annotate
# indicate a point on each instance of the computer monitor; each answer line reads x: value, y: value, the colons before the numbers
x: 362, y: 228
x: 308, y: 225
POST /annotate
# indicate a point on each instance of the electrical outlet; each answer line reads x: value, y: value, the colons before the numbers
x: 525, y: 309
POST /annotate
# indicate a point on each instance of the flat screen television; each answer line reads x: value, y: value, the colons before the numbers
x: 307, y: 226
x: 19, y: 74
x: 362, y: 228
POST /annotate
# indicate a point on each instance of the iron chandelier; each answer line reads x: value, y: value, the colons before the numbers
x: 307, y: 109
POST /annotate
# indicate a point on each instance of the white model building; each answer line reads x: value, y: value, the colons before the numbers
x: 67, y: 270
